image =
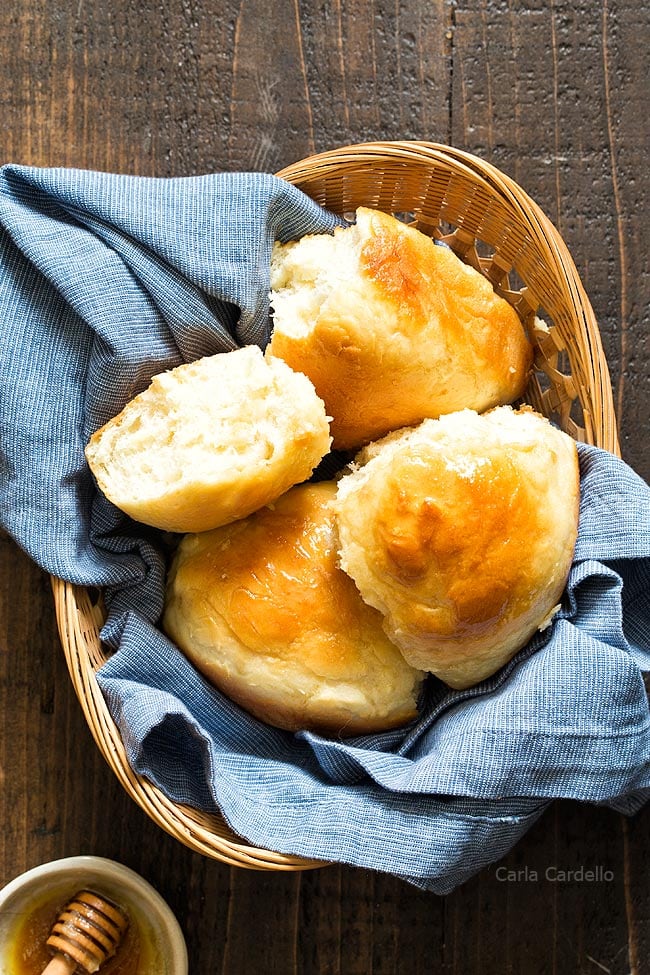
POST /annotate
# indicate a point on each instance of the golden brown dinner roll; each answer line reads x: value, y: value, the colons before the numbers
x: 461, y: 533
x: 391, y: 328
x: 262, y: 610
x: 211, y: 441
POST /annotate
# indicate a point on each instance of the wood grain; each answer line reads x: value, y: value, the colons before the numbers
x: 553, y: 93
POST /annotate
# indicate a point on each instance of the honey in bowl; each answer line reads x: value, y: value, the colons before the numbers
x: 28, y: 954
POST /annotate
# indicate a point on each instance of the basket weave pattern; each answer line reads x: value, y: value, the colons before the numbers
x: 491, y: 224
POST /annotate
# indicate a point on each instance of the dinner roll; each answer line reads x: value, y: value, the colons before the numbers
x: 461, y: 533
x: 210, y: 441
x: 265, y: 614
x: 391, y: 328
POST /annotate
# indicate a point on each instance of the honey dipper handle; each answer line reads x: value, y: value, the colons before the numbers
x: 60, y: 965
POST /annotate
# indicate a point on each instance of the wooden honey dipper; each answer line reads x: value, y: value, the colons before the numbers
x: 87, y: 932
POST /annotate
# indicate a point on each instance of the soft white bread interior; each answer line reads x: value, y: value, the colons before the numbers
x: 461, y: 533
x: 391, y: 328
x: 265, y: 614
x: 210, y: 441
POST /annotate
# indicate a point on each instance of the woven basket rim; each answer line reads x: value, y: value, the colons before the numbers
x: 422, y: 153
x: 79, y: 621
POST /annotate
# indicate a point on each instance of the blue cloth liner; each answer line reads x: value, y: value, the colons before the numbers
x: 106, y: 280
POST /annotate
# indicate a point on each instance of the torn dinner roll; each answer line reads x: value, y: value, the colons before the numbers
x: 392, y: 328
x: 461, y: 533
x: 262, y: 610
x: 211, y: 441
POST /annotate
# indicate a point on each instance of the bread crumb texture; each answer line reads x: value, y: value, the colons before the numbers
x: 211, y: 441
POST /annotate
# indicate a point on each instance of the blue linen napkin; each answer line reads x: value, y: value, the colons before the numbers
x: 106, y: 280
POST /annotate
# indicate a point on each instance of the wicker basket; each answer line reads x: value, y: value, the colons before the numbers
x: 494, y: 226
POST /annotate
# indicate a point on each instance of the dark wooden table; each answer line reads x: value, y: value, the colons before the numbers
x: 556, y: 95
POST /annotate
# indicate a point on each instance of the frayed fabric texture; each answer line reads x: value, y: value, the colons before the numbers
x: 106, y: 280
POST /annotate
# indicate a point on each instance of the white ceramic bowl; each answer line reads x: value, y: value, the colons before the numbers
x: 164, y: 951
